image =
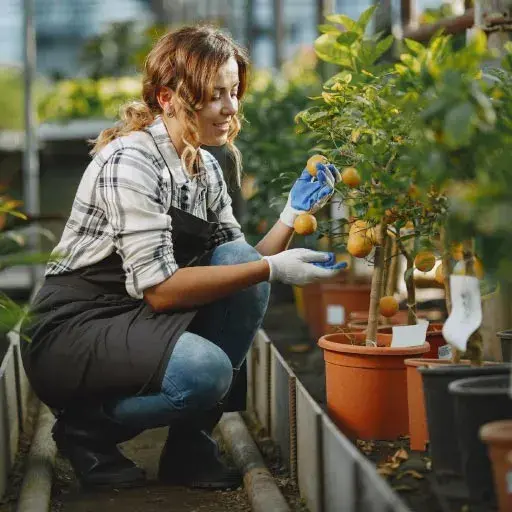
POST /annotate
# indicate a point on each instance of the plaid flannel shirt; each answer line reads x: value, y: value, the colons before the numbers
x: 122, y: 202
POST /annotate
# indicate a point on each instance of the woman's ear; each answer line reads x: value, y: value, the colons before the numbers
x: 164, y: 97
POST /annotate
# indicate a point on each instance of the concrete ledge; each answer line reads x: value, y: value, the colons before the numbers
x: 264, y: 495
x: 35, y: 491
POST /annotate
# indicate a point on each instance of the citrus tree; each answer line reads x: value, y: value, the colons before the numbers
x: 462, y: 148
x: 360, y: 126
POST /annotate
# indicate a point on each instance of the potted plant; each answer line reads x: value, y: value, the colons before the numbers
x: 360, y: 130
x: 462, y: 152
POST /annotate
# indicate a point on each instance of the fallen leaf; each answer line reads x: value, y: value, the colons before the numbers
x: 385, y: 471
x: 399, y: 488
x: 411, y: 472
x: 401, y: 454
x: 299, y: 348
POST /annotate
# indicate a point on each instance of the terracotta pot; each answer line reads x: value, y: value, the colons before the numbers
x: 434, y: 338
x: 498, y: 437
x: 341, y: 299
x: 366, y: 386
x: 418, y: 431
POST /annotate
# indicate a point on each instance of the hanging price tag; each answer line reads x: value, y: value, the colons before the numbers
x: 466, y: 315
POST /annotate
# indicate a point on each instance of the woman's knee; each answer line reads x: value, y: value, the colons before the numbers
x: 199, y: 373
x: 234, y: 252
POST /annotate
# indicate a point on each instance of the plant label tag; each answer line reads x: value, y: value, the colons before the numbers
x: 409, y: 335
x: 444, y: 352
x: 466, y: 315
x: 335, y: 314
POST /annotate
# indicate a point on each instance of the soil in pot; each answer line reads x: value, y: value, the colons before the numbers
x: 498, y: 437
x: 439, y: 405
x: 366, y: 386
x: 478, y: 401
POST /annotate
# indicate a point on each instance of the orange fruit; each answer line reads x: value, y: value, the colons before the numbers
x: 313, y: 161
x: 425, y: 261
x: 388, y: 306
x: 262, y: 226
x: 439, y: 275
x: 305, y: 224
x: 350, y: 177
x: 373, y: 234
x: 358, y: 227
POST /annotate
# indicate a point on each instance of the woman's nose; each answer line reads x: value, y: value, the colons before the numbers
x: 230, y: 106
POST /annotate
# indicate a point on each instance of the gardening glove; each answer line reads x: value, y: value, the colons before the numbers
x: 302, y: 266
x: 310, y: 193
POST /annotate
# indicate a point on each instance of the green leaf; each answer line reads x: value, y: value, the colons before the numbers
x: 347, y: 38
x: 328, y: 29
x: 458, y: 124
x: 365, y: 18
x: 414, y: 46
x: 342, y: 19
x: 408, y: 273
x: 384, y: 45
x: 329, y: 50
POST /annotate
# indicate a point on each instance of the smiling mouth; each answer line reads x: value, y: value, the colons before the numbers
x: 222, y: 125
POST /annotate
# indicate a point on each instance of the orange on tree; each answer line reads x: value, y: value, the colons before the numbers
x: 425, y: 261
x: 350, y: 177
x: 313, y: 161
x: 305, y: 224
x: 388, y: 306
x: 359, y: 243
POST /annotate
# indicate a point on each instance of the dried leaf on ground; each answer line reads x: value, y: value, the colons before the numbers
x: 410, y: 472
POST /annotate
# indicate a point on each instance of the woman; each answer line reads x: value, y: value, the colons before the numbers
x: 153, y: 298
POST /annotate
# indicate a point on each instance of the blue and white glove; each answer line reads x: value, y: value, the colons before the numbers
x: 302, y: 266
x: 309, y: 193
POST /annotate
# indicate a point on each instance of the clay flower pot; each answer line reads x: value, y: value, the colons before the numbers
x: 418, y: 431
x: 498, y: 437
x: 366, y: 386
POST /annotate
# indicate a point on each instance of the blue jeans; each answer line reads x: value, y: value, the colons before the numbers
x: 200, y: 369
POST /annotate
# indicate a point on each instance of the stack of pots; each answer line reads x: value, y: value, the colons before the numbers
x: 459, y: 400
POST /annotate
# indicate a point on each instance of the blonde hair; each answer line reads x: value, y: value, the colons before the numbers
x: 187, y: 61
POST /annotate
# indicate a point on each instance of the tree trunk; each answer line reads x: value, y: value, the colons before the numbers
x: 373, y: 316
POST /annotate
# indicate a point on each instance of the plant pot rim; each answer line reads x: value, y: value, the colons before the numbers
x: 505, y: 335
x: 339, y: 342
x: 476, y: 385
x: 497, y: 432
x: 489, y: 367
x: 426, y: 362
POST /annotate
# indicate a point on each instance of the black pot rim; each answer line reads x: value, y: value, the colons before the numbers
x: 505, y: 335
x: 470, y: 386
x: 450, y: 369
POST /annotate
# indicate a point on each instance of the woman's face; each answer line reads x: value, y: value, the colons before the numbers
x: 214, y: 119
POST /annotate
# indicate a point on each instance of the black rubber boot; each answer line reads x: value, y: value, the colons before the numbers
x: 90, y: 445
x: 193, y: 459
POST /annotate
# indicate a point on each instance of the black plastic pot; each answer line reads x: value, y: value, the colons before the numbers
x: 479, y: 401
x: 439, y: 405
x: 506, y: 345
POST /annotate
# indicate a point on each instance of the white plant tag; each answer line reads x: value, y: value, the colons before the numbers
x: 409, y: 335
x: 466, y: 315
x: 335, y: 314
x: 444, y: 352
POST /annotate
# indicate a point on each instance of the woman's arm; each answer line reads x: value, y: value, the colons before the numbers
x: 276, y: 240
x: 194, y: 286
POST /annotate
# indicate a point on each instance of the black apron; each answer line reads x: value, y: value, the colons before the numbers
x: 91, y: 341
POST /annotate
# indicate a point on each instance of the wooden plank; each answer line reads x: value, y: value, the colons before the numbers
x: 309, y: 450
x: 261, y: 355
x: 9, y: 425
x: 280, y: 404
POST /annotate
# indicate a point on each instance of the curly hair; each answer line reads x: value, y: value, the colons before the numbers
x: 187, y: 61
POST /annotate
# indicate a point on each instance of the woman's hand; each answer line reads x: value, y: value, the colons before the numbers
x: 309, y: 193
